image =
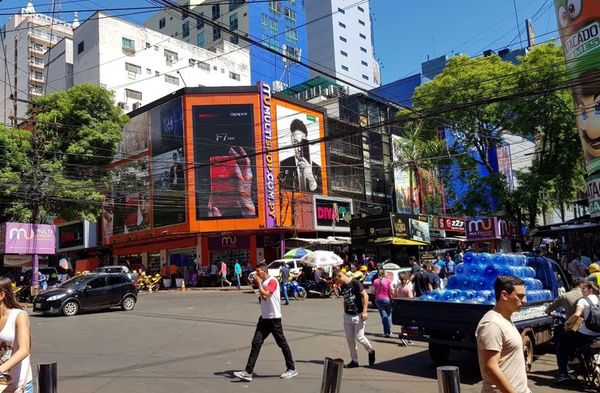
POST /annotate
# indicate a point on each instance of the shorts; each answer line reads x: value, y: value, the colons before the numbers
x: 223, y: 277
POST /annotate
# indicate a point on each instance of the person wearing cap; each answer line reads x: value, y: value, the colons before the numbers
x: 594, y: 276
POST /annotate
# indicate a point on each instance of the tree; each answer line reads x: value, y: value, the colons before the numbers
x: 58, y: 166
x: 416, y: 151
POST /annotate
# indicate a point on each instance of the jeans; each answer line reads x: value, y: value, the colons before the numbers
x: 385, y: 310
x: 285, y: 286
x: 264, y: 327
x: 354, y: 327
x: 237, y: 279
x: 566, y: 345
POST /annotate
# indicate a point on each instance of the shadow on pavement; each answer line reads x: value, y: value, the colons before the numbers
x: 546, y: 378
x: 229, y: 374
x: 319, y: 362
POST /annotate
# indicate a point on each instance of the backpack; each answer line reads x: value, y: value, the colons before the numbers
x: 592, y: 321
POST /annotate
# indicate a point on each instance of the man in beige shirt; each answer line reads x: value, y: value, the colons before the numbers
x: 567, y: 301
x: 499, y: 344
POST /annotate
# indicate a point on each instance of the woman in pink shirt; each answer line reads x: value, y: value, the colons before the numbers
x: 382, y: 288
x: 404, y: 287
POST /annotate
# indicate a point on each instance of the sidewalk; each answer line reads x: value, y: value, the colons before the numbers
x: 243, y: 288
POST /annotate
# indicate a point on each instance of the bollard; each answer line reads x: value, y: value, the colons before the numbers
x: 448, y: 379
x: 47, y: 377
x: 332, y: 375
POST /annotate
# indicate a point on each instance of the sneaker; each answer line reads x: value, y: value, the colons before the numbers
x: 561, y: 378
x: 352, y: 364
x: 372, y: 358
x: 289, y: 374
x: 243, y: 375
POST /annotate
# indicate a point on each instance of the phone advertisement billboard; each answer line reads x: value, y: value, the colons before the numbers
x: 225, y: 161
x: 300, y: 159
x: 135, y: 137
x: 168, y: 164
x: 128, y: 206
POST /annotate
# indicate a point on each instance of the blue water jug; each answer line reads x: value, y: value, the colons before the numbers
x: 491, y: 271
x: 469, y: 257
x: 485, y: 258
x: 453, y: 282
x: 459, y: 269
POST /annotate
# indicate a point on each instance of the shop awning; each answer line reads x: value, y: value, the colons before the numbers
x: 399, y: 241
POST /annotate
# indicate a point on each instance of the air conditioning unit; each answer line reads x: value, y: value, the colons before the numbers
x: 192, y: 62
x: 137, y: 105
x: 122, y: 105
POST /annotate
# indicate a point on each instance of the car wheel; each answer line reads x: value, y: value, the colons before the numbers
x: 128, y: 303
x: 70, y: 308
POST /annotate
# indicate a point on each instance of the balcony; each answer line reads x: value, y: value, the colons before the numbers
x: 347, y: 184
x: 345, y: 149
x: 35, y: 91
x: 36, y: 65
x: 36, y: 79
x: 42, y: 37
x: 37, y: 50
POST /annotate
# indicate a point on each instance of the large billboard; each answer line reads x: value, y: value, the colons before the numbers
x: 332, y: 214
x: 402, y: 183
x: 225, y: 161
x: 579, y: 27
x: 128, y: 206
x: 20, y: 238
x: 168, y: 164
x: 135, y: 137
x: 298, y: 140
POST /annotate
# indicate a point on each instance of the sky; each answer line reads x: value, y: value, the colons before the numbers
x: 407, y: 32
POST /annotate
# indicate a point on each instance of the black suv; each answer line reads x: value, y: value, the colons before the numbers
x: 87, y: 292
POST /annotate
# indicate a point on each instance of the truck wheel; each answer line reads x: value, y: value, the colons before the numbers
x: 438, y: 353
x: 528, y: 352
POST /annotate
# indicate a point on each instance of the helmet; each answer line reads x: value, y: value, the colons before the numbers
x: 364, y: 268
x: 594, y: 268
x: 344, y: 270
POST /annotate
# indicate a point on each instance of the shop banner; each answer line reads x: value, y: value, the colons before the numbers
x: 329, y: 213
x: 229, y: 242
x: 225, y: 165
x: 485, y: 228
x: 594, y: 195
x: 267, y: 146
x: 579, y: 27
x: 21, y: 238
x: 419, y: 230
x: 449, y: 224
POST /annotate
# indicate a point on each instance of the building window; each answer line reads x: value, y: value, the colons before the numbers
x: 363, y: 49
x: 365, y: 77
x: 341, y: 11
x: 148, y: 71
x: 233, y: 4
x: 275, y: 6
x: 290, y: 15
x: 216, y: 12
x: 200, y: 21
x: 136, y: 69
x: 233, y: 22
x: 156, y: 73
x: 264, y: 20
x: 216, y: 33
x: 361, y: 9
x: 343, y: 39
x: 364, y: 63
x: 291, y: 35
x: 201, y: 40
x: 343, y: 53
x: 234, y: 39
x: 148, y: 45
x: 172, y: 80
x: 162, y: 23
x: 133, y: 94
x: 185, y: 29
x: 364, y: 37
x: 343, y: 26
x: 204, y: 66
x: 80, y: 47
x: 361, y: 22
x: 171, y: 56
x: 128, y: 44
x: 233, y: 75
x: 344, y: 68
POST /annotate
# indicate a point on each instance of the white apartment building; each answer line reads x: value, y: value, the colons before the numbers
x: 340, y: 42
x: 139, y: 64
x: 25, y: 38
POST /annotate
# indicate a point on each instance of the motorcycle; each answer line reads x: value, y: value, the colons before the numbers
x: 150, y: 283
x: 584, y: 361
x: 295, y: 290
x: 325, y: 288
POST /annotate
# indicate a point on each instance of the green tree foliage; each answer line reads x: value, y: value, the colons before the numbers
x: 58, y: 166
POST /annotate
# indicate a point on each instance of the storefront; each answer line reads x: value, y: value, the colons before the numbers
x: 493, y: 234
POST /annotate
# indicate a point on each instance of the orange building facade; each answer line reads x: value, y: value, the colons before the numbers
x: 211, y: 174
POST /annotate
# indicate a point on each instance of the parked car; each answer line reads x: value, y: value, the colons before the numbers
x: 275, y: 266
x: 88, y: 292
x: 114, y: 269
x: 392, y: 271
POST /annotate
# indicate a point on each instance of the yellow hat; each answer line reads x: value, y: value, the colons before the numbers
x: 594, y: 268
x: 344, y: 270
x: 363, y: 268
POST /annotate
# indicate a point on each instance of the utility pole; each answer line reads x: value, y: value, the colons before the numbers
x: 35, y: 193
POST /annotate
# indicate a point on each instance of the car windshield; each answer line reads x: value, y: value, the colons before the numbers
x: 75, y: 282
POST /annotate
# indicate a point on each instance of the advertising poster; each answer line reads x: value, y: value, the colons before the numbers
x: 22, y: 238
x: 168, y: 164
x: 485, y: 228
x: 135, y: 137
x: 579, y: 27
x: 594, y: 195
x: 332, y: 214
x: 402, y: 183
x: 225, y: 161
x: 129, y: 199
x: 419, y: 230
x: 299, y: 164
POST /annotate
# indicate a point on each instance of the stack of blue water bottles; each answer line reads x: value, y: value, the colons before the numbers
x: 473, y: 280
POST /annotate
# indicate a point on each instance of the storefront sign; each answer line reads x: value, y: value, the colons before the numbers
x: 419, y: 230
x: 20, y: 238
x: 594, y: 195
x: 486, y: 228
x: 267, y: 146
x: 76, y: 236
x: 449, y: 224
x: 329, y: 213
x: 229, y: 242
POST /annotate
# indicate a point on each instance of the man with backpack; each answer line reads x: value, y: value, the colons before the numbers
x: 583, y: 327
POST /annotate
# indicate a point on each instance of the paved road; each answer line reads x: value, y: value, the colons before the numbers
x: 192, y: 341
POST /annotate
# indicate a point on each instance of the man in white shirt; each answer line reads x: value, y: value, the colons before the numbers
x: 268, y: 323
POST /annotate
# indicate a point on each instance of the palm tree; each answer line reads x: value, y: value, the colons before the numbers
x: 417, y: 151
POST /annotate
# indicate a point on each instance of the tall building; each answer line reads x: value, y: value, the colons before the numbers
x: 24, y: 39
x: 340, y: 42
x: 139, y: 64
x: 280, y: 25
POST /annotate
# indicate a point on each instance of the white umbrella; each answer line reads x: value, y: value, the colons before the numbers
x: 322, y: 259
